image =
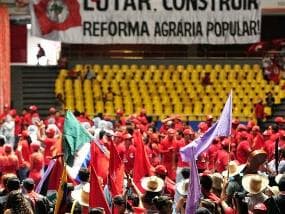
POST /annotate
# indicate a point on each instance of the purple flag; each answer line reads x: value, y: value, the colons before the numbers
x: 191, y: 151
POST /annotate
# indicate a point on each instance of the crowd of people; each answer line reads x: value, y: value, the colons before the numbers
x: 241, y: 173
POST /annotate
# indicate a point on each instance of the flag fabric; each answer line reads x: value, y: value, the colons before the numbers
x: 61, y: 192
x: 45, y: 178
x: 55, y: 16
x: 116, y: 172
x: 97, y: 198
x: 81, y: 159
x: 100, y: 161
x: 74, y: 136
x: 142, y: 166
x: 191, y: 151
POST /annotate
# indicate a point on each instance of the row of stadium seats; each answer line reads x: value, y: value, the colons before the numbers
x: 164, y: 90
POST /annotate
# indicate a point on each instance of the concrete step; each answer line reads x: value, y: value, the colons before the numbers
x: 43, y: 80
x: 39, y: 90
x: 38, y: 85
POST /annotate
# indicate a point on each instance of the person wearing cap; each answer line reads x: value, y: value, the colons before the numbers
x: 49, y: 141
x: 23, y: 152
x: 127, y: 151
x: 269, y: 145
x: 212, y: 153
x: 181, y: 195
x: 168, y: 150
x: 257, y: 141
x: 169, y: 185
x: 209, y: 120
x: 259, y: 112
x: 255, y: 184
x: 222, y: 159
x: 41, y: 204
x: 243, y: 148
x: 36, y: 162
x: 202, y: 128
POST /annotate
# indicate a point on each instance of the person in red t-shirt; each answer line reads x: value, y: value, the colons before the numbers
x: 23, y: 152
x: 243, y: 149
x: 212, y: 153
x: 37, y: 162
x: 269, y: 145
x: 49, y: 143
x: 258, y: 141
x: 259, y: 112
x: 10, y: 160
x: 18, y: 121
x: 222, y: 160
x: 51, y: 118
x: 6, y: 110
x: 168, y: 148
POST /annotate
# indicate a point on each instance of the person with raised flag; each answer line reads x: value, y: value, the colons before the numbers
x: 192, y: 151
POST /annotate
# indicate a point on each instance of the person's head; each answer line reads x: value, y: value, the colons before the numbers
x: 161, y: 171
x: 5, y: 178
x: 17, y: 202
x: 120, y: 203
x: 13, y: 184
x: 171, y: 133
x: 83, y: 174
x: 206, y: 182
x: 29, y: 184
x: 202, y: 210
x: 2, y: 140
x: 185, y: 172
x: 163, y: 204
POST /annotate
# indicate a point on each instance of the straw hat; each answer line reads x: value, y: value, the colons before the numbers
x: 182, y: 187
x: 254, y: 183
x: 233, y: 169
x: 152, y: 184
x: 82, y: 195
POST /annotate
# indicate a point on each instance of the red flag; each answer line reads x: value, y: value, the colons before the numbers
x: 142, y: 166
x: 100, y: 161
x: 97, y: 198
x: 116, y: 172
x: 57, y: 16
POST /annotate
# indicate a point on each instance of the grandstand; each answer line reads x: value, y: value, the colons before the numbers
x: 166, y: 90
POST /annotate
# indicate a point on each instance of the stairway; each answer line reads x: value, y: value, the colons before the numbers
x: 34, y: 85
x: 278, y: 110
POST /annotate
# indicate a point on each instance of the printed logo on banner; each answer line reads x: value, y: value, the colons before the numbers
x: 57, y: 15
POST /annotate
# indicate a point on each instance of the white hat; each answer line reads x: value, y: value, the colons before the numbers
x: 278, y: 177
x: 82, y: 195
x: 182, y: 187
x: 152, y: 184
x: 254, y: 183
x: 233, y: 169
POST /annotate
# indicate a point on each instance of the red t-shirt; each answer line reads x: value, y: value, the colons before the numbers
x: 222, y: 160
x: 258, y: 142
x: 243, y: 150
x: 212, y: 154
x: 48, y: 153
x: 270, y: 149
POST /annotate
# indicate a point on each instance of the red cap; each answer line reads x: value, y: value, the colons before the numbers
x: 266, y: 133
x: 282, y: 133
x: 52, y: 110
x: 50, y: 132
x: 8, y: 148
x: 203, y: 126
x: 119, y: 112
x: 160, y: 170
x: 35, y: 146
x: 243, y: 135
x: 260, y: 207
x: 13, y: 112
x: 171, y: 131
x: 225, y: 142
x: 235, y: 121
x: 188, y: 131
x: 255, y: 128
x: 250, y: 124
x: 33, y: 108
x: 6, y: 105
x: 279, y: 120
x: 241, y: 127
x: 127, y: 136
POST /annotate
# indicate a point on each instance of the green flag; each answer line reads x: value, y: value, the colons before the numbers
x: 74, y: 136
